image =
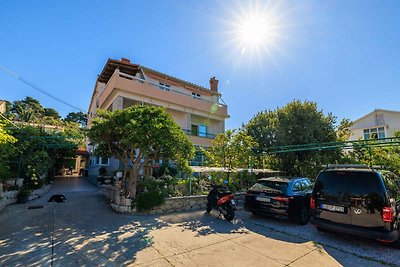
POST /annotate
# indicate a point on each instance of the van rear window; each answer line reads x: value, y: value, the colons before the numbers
x: 330, y: 185
x: 357, y: 184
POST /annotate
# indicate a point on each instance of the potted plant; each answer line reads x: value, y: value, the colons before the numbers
x: 24, y: 194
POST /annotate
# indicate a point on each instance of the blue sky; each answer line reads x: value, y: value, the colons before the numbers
x: 344, y: 55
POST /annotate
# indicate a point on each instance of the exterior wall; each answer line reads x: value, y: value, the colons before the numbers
x: 390, y: 120
x: 182, y: 118
x: 2, y: 106
x: 123, y: 90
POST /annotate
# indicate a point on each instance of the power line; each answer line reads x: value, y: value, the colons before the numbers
x: 9, y: 121
x: 22, y: 79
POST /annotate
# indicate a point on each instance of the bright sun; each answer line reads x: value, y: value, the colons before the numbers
x: 253, y: 32
x: 258, y: 28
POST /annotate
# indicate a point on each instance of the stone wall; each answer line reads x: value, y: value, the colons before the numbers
x: 171, y: 205
x: 11, y: 197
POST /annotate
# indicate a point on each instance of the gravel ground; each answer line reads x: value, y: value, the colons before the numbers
x: 363, y: 248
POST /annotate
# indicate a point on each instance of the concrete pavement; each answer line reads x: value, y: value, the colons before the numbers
x: 85, y: 232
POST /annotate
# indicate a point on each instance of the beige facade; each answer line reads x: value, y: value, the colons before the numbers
x: 2, y: 106
x: 198, y: 110
x: 379, y: 123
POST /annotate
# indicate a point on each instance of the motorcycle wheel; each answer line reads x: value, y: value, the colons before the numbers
x: 230, y: 213
x: 208, y: 208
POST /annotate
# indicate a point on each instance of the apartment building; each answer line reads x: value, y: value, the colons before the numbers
x: 379, y: 123
x: 2, y: 106
x: 199, y: 111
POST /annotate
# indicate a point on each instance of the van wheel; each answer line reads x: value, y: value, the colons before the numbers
x: 304, y: 216
x: 396, y: 244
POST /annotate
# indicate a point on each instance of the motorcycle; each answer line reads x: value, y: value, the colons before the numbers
x: 222, y: 201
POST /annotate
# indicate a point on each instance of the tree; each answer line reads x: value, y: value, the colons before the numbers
x: 138, y: 135
x: 78, y: 117
x: 388, y: 156
x: 27, y: 110
x: 49, y: 112
x: 294, y: 124
x: 7, y: 150
x: 343, y: 131
x: 231, y: 149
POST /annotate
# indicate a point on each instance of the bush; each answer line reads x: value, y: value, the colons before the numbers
x: 102, y: 171
x: 24, y: 192
x: 147, y: 201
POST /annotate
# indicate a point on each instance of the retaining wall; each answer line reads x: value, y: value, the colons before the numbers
x: 11, y: 197
x: 171, y: 205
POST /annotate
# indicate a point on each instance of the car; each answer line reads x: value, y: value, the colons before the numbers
x: 357, y: 200
x: 281, y: 197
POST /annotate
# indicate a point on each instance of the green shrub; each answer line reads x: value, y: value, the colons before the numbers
x: 24, y: 192
x: 147, y: 201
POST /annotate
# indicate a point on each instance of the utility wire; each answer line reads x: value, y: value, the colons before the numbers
x: 9, y: 121
x: 22, y: 79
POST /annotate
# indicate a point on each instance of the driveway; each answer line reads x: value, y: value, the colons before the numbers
x: 85, y: 232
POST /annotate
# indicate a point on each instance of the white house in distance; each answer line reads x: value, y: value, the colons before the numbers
x: 380, y: 123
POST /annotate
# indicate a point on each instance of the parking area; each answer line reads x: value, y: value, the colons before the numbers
x: 85, y: 232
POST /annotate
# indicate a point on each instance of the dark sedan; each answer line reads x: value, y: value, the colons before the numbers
x: 287, y: 197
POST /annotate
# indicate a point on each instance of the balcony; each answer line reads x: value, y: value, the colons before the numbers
x: 157, y: 94
x: 199, y: 134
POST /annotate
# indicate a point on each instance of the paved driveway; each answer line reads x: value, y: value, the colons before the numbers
x: 86, y: 232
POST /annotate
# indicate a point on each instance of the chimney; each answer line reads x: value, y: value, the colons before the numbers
x: 125, y: 60
x: 213, y: 84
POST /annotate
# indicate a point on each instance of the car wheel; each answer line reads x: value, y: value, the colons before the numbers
x: 304, y: 216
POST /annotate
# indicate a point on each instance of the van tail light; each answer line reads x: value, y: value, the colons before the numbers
x: 387, y: 214
x: 312, y: 203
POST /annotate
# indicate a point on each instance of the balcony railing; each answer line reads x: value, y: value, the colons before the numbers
x: 168, y: 88
x: 199, y: 134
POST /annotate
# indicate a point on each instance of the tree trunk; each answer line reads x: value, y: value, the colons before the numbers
x: 132, y: 182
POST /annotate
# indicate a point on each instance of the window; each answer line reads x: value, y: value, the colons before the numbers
x: 195, y: 130
x: 199, y: 130
x: 165, y: 86
x: 196, y: 95
x: 202, y: 130
x: 297, y: 186
x: 273, y: 186
x: 104, y: 161
x: 98, y: 161
x: 374, y: 133
x: 307, y: 185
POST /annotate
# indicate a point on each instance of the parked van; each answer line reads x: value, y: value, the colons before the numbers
x: 357, y: 200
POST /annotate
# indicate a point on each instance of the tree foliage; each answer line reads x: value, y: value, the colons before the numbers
x: 232, y: 149
x: 296, y: 123
x: 388, y: 156
x: 7, y: 150
x: 138, y: 135
x: 78, y: 117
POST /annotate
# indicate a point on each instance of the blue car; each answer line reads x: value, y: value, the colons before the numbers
x: 281, y: 197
